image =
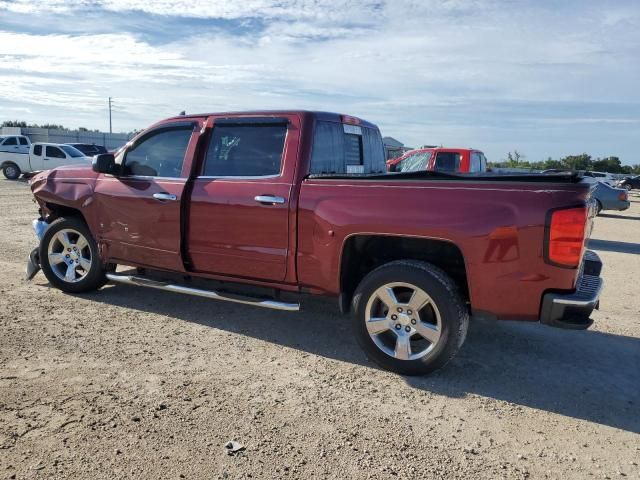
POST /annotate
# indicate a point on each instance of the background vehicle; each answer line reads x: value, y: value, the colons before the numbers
x: 89, y: 149
x: 43, y: 156
x: 14, y: 144
x: 605, y: 177
x: 454, y: 160
x: 14, y: 151
x: 629, y: 183
x: 610, y: 198
x: 267, y: 199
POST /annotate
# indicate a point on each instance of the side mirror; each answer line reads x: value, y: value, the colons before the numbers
x: 104, y: 163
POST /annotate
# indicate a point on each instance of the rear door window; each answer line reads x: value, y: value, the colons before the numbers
x: 447, y: 162
x: 37, y: 150
x: 23, y: 141
x: 245, y: 150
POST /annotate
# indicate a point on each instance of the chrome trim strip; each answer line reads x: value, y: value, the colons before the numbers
x: 145, y: 282
x: 150, y: 177
x: 237, y: 177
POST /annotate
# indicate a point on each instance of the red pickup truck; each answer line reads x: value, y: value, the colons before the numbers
x: 299, y: 203
x: 453, y: 160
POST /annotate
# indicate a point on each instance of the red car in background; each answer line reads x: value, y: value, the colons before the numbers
x: 454, y: 160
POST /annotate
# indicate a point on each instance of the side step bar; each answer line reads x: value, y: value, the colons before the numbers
x: 146, y: 282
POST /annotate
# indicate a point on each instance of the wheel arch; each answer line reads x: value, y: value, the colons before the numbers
x: 363, y: 253
x: 57, y: 210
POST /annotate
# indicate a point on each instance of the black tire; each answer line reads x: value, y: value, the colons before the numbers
x: 444, y: 294
x: 11, y: 171
x: 94, y: 277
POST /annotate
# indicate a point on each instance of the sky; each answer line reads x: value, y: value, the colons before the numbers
x: 543, y: 77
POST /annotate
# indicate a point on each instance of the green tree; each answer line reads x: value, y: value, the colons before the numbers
x: 14, y: 123
x: 577, y: 162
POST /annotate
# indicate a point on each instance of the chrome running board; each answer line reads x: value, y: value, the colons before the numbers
x: 169, y: 287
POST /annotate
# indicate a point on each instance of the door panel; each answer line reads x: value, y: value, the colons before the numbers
x: 138, y: 227
x: 140, y: 216
x: 230, y: 231
x: 54, y: 157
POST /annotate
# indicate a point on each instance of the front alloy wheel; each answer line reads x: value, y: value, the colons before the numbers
x: 11, y: 171
x: 69, y: 256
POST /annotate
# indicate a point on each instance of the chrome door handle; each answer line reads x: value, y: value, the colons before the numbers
x: 270, y: 199
x: 164, y: 196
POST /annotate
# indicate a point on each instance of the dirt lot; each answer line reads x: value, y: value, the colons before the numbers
x: 134, y: 383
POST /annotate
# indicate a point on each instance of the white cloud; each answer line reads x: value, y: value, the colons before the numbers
x: 300, y: 9
x: 454, y: 72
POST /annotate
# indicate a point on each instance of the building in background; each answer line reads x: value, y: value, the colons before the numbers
x: 393, y: 148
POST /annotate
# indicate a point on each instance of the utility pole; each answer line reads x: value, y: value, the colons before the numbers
x: 110, y: 129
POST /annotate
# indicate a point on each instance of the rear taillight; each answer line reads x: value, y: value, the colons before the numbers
x: 623, y: 196
x: 565, y: 236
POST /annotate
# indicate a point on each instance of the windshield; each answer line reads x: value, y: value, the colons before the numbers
x: 72, y: 151
x: 414, y: 162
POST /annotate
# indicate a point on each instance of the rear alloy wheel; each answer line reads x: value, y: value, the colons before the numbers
x: 69, y: 256
x: 409, y: 317
x: 11, y: 171
x: 403, y: 321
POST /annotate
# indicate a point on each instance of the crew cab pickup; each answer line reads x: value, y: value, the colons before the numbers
x: 298, y: 203
x: 14, y: 144
x: 14, y: 149
x: 452, y: 160
x: 42, y: 156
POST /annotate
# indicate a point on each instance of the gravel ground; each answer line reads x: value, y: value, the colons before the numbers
x: 135, y: 383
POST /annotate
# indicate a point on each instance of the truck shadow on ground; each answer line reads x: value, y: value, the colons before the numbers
x: 614, y: 246
x: 587, y: 375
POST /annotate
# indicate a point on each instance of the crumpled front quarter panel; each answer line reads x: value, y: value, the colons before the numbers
x: 71, y: 187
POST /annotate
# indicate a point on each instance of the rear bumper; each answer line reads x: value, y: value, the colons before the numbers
x: 573, y: 310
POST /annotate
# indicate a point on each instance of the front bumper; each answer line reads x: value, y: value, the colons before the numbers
x: 573, y: 310
x: 33, y: 262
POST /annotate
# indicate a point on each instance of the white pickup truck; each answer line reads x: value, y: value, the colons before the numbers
x: 41, y: 156
x: 14, y: 143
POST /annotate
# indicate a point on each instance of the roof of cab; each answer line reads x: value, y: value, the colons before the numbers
x: 318, y: 115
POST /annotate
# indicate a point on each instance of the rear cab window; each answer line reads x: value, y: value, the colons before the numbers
x: 346, y: 148
x: 37, y: 150
x: 23, y: 141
